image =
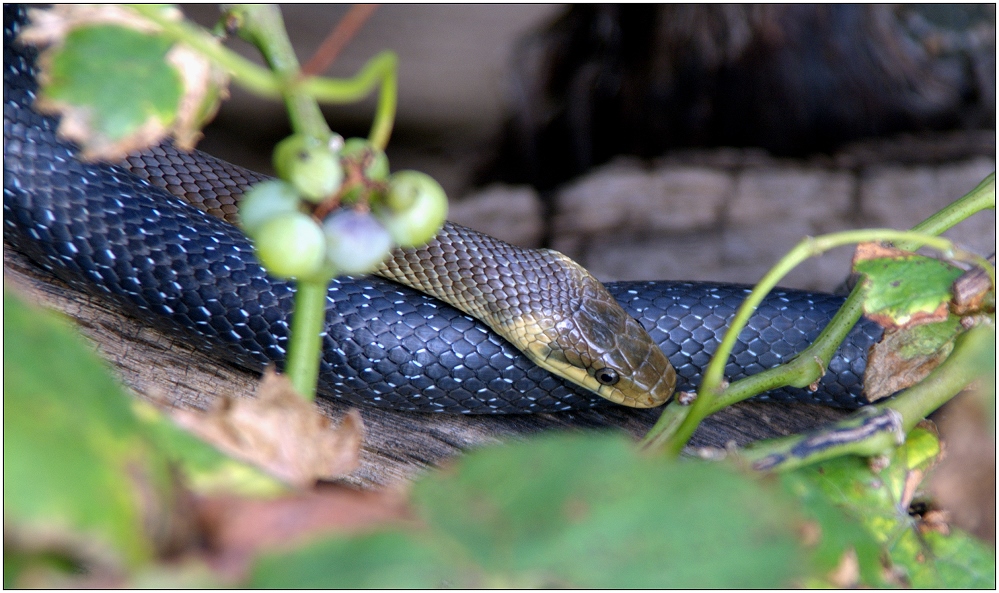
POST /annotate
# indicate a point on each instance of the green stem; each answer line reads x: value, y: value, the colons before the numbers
x: 658, y: 437
x: 805, y: 368
x: 381, y: 127
x: 672, y: 434
x: 875, y: 429
x: 305, y: 339
x: 262, y: 25
x: 379, y: 70
x: 983, y: 197
x: 256, y: 78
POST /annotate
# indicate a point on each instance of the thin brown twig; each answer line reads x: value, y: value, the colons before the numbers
x: 338, y: 38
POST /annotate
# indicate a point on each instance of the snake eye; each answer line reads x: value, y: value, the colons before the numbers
x: 607, y: 376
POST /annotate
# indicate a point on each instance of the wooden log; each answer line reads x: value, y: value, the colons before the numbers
x: 162, y: 369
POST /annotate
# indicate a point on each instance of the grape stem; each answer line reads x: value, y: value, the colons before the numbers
x: 305, y: 339
x: 262, y: 25
x: 677, y: 423
x: 380, y: 71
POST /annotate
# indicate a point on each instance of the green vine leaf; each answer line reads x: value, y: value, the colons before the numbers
x: 118, y: 83
x: 571, y: 511
x: 586, y: 511
x: 92, y: 476
x: 904, y: 289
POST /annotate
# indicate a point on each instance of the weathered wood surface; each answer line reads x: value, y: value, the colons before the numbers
x: 162, y: 369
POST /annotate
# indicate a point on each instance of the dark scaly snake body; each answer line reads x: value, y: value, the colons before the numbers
x: 105, y: 229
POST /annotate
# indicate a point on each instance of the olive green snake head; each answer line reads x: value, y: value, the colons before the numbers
x: 601, y: 348
x: 546, y: 305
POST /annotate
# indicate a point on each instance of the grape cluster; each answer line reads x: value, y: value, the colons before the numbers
x: 336, y: 209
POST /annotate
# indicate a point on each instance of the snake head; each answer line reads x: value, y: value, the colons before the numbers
x: 597, y: 345
x: 546, y: 305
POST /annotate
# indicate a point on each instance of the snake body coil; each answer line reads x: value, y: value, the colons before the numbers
x: 114, y: 230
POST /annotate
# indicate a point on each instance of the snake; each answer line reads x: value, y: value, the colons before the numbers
x: 466, y: 324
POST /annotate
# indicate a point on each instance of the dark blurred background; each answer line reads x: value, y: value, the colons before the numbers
x: 793, y: 79
x: 541, y: 93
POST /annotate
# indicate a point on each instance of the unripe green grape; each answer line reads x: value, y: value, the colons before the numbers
x: 264, y: 201
x: 355, y: 242
x: 288, y: 149
x: 414, y: 208
x: 309, y: 165
x: 360, y: 150
x: 290, y: 245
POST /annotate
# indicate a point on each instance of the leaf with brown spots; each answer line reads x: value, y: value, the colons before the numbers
x: 904, y: 289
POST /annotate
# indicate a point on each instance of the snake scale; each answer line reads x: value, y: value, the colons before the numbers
x: 118, y: 231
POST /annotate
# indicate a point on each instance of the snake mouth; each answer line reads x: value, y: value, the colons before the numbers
x: 639, y: 397
x: 647, y: 378
x: 628, y: 392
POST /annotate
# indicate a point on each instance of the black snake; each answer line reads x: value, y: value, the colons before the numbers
x: 116, y: 231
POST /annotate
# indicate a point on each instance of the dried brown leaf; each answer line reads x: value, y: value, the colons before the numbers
x: 972, y: 291
x: 888, y: 371
x: 281, y: 432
